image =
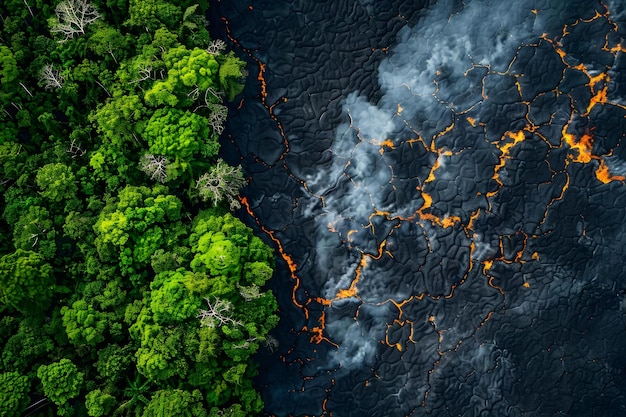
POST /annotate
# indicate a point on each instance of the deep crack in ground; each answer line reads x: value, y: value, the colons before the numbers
x: 444, y: 184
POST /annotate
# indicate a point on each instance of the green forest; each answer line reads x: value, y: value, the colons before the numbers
x: 128, y: 288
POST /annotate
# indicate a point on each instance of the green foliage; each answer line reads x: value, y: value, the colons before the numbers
x: 83, y: 324
x: 34, y: 230
x: 232, y: 411
x: 61, y: 382
x: 153, y: 13
x: 57, y: 182
x: 172, y: 299
x: 14, y: 389
x: 179, y: 135
x: 112, y: 363
x: 104, y: 274
x: 159, y: 358
x: 218, y: 256
x: 175, y: 403
x: 223, y: 245
x: 231, y: 75
x: 108, y: 42
x: 7, y: 134
x: 191, y: 73
x: 28, y: 345
x: 27, y: 281
x: 120, y: 119
x: 8, y: 66
x: 128, y: 229
x: 99, y: 403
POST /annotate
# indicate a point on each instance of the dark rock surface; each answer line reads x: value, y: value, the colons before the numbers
x: 444, y: 184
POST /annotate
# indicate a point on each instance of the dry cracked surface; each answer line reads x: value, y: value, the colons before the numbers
x: 445, y: 186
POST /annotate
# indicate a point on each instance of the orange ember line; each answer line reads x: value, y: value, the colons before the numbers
x: 288, y: 259
x: 316, y: 335
x: 444, y: 222
x: 517, y: 138
x: 444, y: 132
x: 600, y: 97
x: 322, y: 301
x: 505, y: 145
x: 431, y: 175
x: 603, y: 174
x: 317, y: 332
x: 472, y: 218
x: 352, y: 291
x: 261, y: 78
x: 387, y: 143
x: 487, y: 265
x: 593, y: 80
x: 584, y: 145
x: 617, y: 48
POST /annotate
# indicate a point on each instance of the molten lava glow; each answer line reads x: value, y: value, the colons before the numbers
x: 352, y: 290
x: 603, y: 174
x: 583, y: 146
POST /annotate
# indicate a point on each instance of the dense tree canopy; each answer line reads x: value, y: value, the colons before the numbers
x: 127, y: 288
x: 14, y: 390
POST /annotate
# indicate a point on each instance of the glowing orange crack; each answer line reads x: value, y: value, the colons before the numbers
x: 505, y: 145
x: 603, y: 174
x: 352, y: 290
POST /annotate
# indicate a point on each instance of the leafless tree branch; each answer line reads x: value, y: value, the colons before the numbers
x: 222, y: 182
x: 216, y: 46
x: 73, y: 16
x: 51, y: 78
x: 155, y: 166
x: 218, y: 312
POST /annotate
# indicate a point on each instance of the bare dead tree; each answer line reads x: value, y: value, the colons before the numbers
x: 75, y: 149
x: 217, y: 118
x: 155, y: 166
x: 26, y: 89
x: 271, y: 343
x: 216, y: 46
x: 218, y: 312
x: 73, y: 17
x: 249, y: 293
x: 208, y: 93
x: 110, y: 51
x: 104, y: 88
x: 222, y: 182
x: 245, y: 344
x: 29, y: 9
x: 145, y: 73
x: 194, y: 94
x: 51, y: 77
x: 39, y: 231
